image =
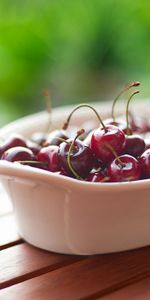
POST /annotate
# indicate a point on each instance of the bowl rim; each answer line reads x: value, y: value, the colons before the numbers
x: 12, y: 170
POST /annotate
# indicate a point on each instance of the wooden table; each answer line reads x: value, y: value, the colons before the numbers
x: 29, y: 273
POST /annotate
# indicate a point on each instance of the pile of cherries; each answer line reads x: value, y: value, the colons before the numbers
x: 116, y: 151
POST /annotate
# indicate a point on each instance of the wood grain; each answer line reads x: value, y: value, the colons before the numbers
x: 138, y: 291
x: 87, y: 279
x: 8, y: 231
x: 23, y: 261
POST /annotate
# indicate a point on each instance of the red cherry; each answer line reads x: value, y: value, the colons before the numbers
x: 81, y: 157
x: 50, y: 156
x: 105, y: 140
x: 12, y: 141
x: 144, y: 161
x: 18, y: 154
x: 135, y: 145
x: 124, y: 168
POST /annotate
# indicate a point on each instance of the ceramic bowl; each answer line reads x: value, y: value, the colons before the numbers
x: 65, y: 215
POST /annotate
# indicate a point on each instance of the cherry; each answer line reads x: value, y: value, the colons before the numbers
x: 124, y: 168
x: 135, y: 145
x: 97, y: 177
x: 49, y: 155
x: 18, y: 154
x: 81, y: 158
x: 55, y: 137
x: 144, y: 161
x: 12, y: 141
x: 105, y: 139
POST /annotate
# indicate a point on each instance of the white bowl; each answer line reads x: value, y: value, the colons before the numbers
x: 65, y: 215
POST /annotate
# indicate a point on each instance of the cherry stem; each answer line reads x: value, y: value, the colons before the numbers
x: 47, y: 95
x: 132, y: 84
x: 114, y: 153
x: 69, y: 155
x: 127, y: 111
x: 32, y: 162
x: 66, y: 124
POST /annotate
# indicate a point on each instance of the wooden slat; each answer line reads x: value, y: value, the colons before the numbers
x: 138, y: 291
x: 8, y: 231
x: 87, y: 279
x: 23, y: 261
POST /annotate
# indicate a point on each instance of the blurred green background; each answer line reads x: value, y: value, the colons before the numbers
x: 81, y: 50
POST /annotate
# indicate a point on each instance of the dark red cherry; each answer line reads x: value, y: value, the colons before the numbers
x: 81, y: 157
x: 50, y: 156
x: 18, y: 154
x: 106, y: 142
x: 124, y: 168
x: 144, y: 161
x: 135, y: 145
x: 53, y: 137
x: 12, y: 141
x: 97, y: 177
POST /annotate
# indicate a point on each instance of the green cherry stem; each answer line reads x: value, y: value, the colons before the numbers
x: 126, y: 88
x: 127, y: 111
x: 69, y: 155
x: 66, y: 124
